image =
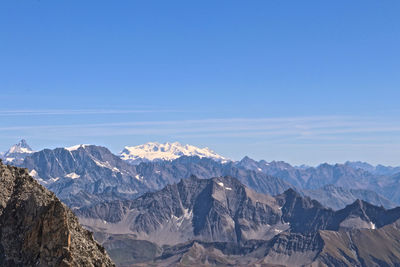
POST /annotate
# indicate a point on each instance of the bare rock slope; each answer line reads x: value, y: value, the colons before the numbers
x: 36, y: 229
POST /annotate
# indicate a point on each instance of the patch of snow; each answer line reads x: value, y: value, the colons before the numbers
x: 128, y: 191
x: 222, y: 185
x: 259, y: 169
x: 73, y: 175
x: 40, y: 180
x: 33, y: 173
x: 138, y: 177
x: 186, y: 216
x: 168, y: 151
x: 22, y: 150
x: 73, y: 148
x: 54, y: 179
x: 373, y: 227
x: 102, y: 164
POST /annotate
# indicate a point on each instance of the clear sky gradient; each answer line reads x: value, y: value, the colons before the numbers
x: 300, y: 81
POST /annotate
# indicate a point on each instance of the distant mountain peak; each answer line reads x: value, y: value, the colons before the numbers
x: 17, y: 152
x: 154, y: 151
x: 21, y: 147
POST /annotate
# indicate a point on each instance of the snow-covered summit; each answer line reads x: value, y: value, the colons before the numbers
x: 17, y: 152
x: 21, y: 147
x: 76, y: 147
x: 154, y: 151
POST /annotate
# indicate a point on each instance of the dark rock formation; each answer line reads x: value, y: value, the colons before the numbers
x: 36, y: 229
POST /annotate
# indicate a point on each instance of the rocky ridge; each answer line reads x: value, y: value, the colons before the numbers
x: 219, y: 221
x: 36, y: 229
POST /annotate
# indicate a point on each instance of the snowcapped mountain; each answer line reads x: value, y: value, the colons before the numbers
x: 17, y: 153
x: 154, y: 151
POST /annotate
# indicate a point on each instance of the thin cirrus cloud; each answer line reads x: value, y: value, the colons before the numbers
x: 55, y: 112
x: 284, y: 129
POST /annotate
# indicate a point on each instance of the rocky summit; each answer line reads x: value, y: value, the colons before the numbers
x: 36, y: 229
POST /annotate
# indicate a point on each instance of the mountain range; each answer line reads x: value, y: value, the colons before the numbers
x: 348, y: 176
x: 220, y: 221
x: 158, y: 205
x: 87, y: 174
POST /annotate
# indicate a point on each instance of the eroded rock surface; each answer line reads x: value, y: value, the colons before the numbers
x: 36, y: 229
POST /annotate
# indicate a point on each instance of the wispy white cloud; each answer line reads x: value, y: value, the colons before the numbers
x: 58, y: 112
x: 296, y: 129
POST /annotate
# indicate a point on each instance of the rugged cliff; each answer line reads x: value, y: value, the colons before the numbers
x: 36, y: 229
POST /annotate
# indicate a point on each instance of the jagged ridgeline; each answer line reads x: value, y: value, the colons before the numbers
x: 36, y: 229
x: 150, y: 211
x: 87, y: 174
x: 221, y: 222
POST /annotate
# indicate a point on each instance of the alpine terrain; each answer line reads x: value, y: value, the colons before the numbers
x: 36, y: 229
x: 220, y: 221
x: 159, y: 205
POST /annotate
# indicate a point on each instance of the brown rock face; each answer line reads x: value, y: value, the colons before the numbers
x: 36, y: 229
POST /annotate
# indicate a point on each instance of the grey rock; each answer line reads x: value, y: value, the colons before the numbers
x: 36, y: 229
x: 91, y: 174
x: 337, y: 197
x: 224, y: 210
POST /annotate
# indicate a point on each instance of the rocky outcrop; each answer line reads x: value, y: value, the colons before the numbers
x: 361, y: 247
x: 36, y: 229
x: 219, y: 209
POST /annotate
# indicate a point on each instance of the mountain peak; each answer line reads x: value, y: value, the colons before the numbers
x: 153, y: 151
x: 21, y: 147
x: 17, y: 153
x: 23, y: 143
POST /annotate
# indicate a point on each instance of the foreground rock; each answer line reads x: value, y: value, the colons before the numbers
x: 36, y: 229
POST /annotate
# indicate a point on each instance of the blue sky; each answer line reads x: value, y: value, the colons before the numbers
x: 300, y: 81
